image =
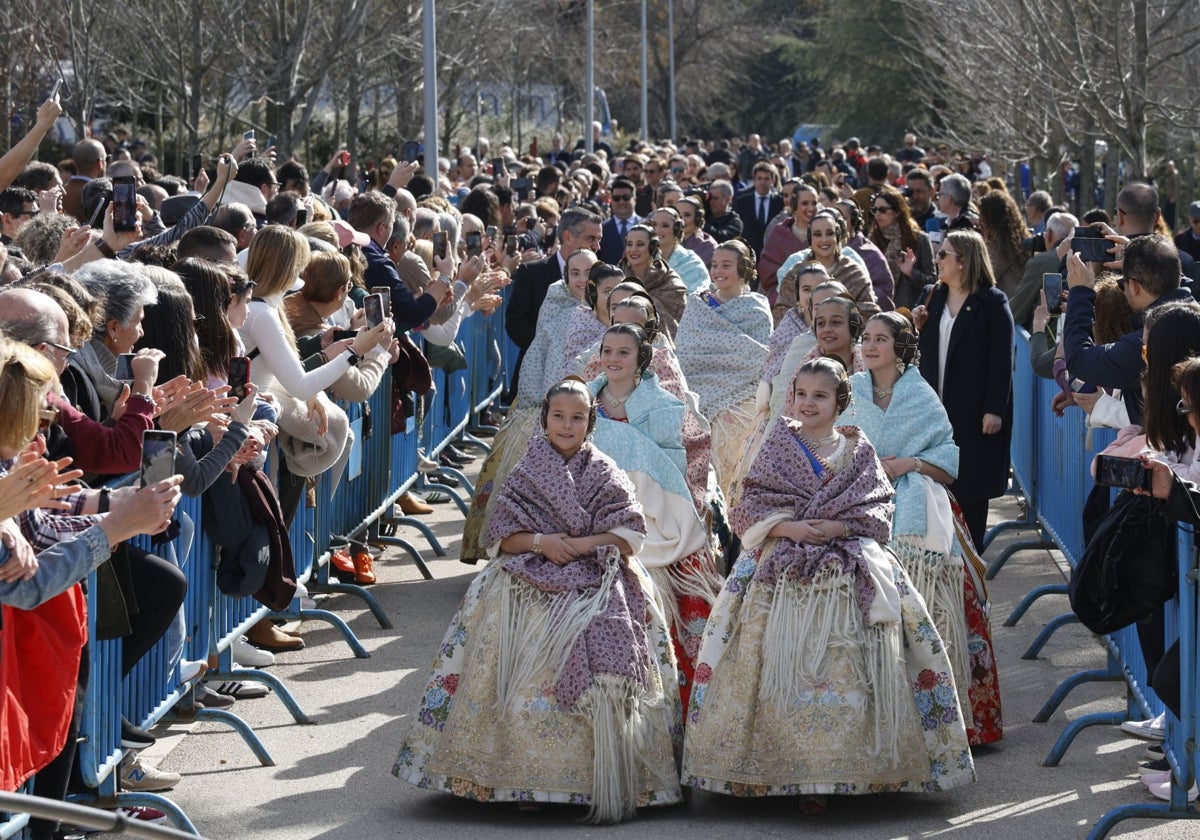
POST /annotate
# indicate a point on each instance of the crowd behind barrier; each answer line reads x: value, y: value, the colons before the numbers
x: 382, y: 466
x: 1050, y: 458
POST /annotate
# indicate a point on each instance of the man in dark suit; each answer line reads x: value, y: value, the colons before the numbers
x: 758, y: 206
x: 577, y: 228
x: 612, y: 241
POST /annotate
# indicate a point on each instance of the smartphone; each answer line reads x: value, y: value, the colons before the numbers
x: 124, y: 203
x: 57, y: 87
x: 248, y: 135
x: 521, y: 186
x: 385, y: 293
x: 373, y: 306
x: 124, y: 368
x: 1129, y: 473
x: 551, y: 236
x: 158, y: 456
x: 510, y: 245
x: 492, y: 232
x: 271, y: 141
x: 1052, y: 284
x: 499, y: 170
x: 441, y: 244
x: 1091, y: 249
x: 239, y: 375
x: 344, y: 159
x: 98, y: 213
x: 342, y: 335
x: 302, y: 217
x: 197, y: 164
x: 474, y: 243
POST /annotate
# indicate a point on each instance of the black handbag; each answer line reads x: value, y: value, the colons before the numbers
x: 1128, y: 569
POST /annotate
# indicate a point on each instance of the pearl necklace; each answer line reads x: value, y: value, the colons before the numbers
x: 615, y: 401
x: 883, y: 394
x: 817, y: 443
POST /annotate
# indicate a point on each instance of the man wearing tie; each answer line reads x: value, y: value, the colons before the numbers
x: 612, y: 241
x: 759, y: 205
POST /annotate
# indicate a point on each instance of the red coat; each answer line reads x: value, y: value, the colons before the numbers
x: 39, y: 669
x: 780, y: 245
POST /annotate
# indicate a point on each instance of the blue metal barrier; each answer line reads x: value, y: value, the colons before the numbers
x: 1051, y: 469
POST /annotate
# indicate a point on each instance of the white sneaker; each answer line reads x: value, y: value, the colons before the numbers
x: 248, y: 654
x: 1162, y: 790
x: 308, y: 604
x: 136, y: 776
x: 190, y: 669
x: 1154, y: 729
x: 1155, y: 777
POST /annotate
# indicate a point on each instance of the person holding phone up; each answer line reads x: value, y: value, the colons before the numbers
x: 372, y: 213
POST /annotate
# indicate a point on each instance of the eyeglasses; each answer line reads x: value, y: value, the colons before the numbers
x: 679, y: 170
x: 1121, y: 281
x: 1180, y: 408
x: 942, y: 254
x: 884, y: 209
x: 68, y: 351
x: 622, y: 197
x: 27, y: 213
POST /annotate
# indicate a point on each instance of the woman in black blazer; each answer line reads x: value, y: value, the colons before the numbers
x: 967, y: 357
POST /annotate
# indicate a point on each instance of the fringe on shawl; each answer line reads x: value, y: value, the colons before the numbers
x: 539, y: 629
x: 939, y: 579
x: 732, y: 430
x: 808, y: 619
x: 512, y: 441
x: 680, y: 580
x: 611, y: 704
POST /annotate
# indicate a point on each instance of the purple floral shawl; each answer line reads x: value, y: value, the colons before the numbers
x: 587, y: 495
x: 782, y: 478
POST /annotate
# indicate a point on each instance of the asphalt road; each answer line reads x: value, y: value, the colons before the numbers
x: 332, y: 780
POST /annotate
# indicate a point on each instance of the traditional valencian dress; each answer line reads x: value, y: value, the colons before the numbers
x: 924, y: 540
x: 678, y: 551
x: 721, y: 347
x: 554, y: 683
x: 821, y: 670
x: 540, y: 368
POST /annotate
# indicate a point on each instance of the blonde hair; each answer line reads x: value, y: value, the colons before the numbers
x: 972, y: 250
x: 324, y: 276
x: 277, y: 257
x: 25, y: 378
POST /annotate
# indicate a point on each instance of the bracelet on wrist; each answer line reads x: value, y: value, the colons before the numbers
x: 104, y: 502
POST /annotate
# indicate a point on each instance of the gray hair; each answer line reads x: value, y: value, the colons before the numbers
x: 448, y: 222
x: 1039, y: 200
x: 40, y: 237
x: 722, y: 186
x: 233, y: 218
x: 1062, y: 225
x: 424, y: 221
x: 122, y: 288
x: 32, y: 328
x: 574, y: 218
x: 400, y: 229
x: 958, y: 188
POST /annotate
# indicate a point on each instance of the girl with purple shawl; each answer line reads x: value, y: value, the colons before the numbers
x: 556, y: 680
x: 821, y: 670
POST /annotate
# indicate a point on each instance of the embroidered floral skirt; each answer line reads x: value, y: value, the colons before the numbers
x: 826, y: 735
x: 538, y: 751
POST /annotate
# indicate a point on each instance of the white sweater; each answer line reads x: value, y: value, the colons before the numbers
x: 277, y: 360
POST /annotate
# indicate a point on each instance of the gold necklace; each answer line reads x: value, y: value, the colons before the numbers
x: 615, y: 401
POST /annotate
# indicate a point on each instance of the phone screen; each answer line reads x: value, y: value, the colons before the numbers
x: 498, y: 168
x: 239, y: 375
x: 550, y: 237
x: 158, y: 456
x: 1053, y: 284
x: 373, y: 307
x: 197, y: 164
x: 510, y: 245
x: 1129, y: 473
x: 248, y: 135
x: 124, y: 368
x: 124, y: 203
x: 474, y: 244
x: 1091, y: 249
x: 441, y: 243
x: 492, y: 232
x: 385, y: 293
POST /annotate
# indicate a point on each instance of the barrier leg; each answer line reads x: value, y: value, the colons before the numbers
x: 455, y: 494
x: 1028, y: 600
x: 1026, y: 545
x: 1048, y: 631
x: 1070, y: 684
x: 270, y: 681
x: 151, y: 800
x: 358, y: 592
x: 1139, y: 810
x: 242, y: 728
x: 425, y: 530
x: 470, y: 439
x: 408, y: 547
x: 330, y: 618
x: 1075, y: 727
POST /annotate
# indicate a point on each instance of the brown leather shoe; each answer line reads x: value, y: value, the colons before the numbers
x: 411, y: 505
x: 269, y: 637
x: 363, y: 572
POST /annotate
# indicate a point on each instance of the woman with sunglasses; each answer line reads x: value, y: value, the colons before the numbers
x: 967, y: 357
x: 906, y: 248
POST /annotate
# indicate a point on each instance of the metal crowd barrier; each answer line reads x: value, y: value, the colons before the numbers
x: 1051, y: 473
x: 359, y: 509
